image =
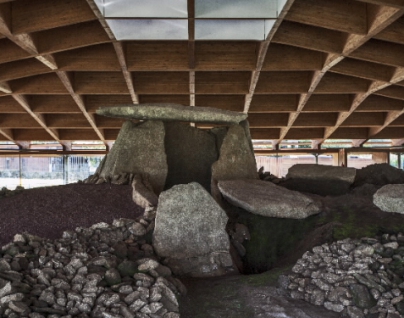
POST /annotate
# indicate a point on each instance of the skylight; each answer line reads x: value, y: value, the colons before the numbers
x: 168, y: 19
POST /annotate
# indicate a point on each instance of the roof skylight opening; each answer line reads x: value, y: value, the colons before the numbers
x: 232, y: 29
x: 228, y: 9
x: 149, y: 29
x: 168, y: 19
x: 145, y: 9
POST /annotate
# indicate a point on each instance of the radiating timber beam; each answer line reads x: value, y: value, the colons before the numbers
x: 22, y: 100
x: 397, y: 142
x: 262, y: 52
x: 392, y: 3
x: 119, y: 52
x: 5, y: 88
x: 381, y: 17
x: 26, y: 42
x: 65, y: 79
x: 359, y: 98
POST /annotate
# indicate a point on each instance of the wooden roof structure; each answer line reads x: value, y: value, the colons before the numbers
x: 329, y: 69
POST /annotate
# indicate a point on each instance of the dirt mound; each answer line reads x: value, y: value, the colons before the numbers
x: 48, y: 211
x: 379, y: 174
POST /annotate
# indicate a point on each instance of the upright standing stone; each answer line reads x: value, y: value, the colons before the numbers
x: 139, y: 148
x: 236, y: 161
x: 190, y: 232
x: 190, y: 154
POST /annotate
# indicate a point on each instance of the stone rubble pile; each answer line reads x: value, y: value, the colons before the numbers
x: 107, y: 270
x: 357, y: 278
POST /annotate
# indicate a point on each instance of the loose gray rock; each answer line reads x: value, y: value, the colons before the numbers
x: 267, y: 199
x: 390, y: 198
x: 320, y: 179
x: 173, y: 112
x: 143, y: 194
x: 190, y: 232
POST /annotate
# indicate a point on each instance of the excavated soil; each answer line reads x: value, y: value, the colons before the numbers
x: 48, y: 211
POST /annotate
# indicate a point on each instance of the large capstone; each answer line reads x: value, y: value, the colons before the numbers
x: 320, y: 179
x: 267, y: 199
x: 390, y: 198
x: 139, y: 148
x: 190, y: 232
x: 173, y: 112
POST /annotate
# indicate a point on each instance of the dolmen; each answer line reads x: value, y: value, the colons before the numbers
x: 172, y: 152
x: 189, y: 176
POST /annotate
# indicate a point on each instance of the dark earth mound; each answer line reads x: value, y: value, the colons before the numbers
x: 48, y: 211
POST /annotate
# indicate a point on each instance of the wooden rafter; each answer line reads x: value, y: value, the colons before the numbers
x: 262, y: 52
x: 382, y: 17
x: 330, y: 69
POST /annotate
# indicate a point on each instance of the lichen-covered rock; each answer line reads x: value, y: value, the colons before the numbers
x: 320, y: 179
x: 267, y: 199
x: 390, y: 198
x: 190, y: 232
x: 173, y: 112
x: 139, y: 148
x: 143, y: 194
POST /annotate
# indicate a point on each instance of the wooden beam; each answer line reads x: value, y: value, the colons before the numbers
x: 380, y: 52
x: 126, y: 74
x: 22, y: 100
x: 119, y: 49
x: 380, y: 103
x: 18, y: 121
x: 20, y: 69
x: 344, y: 16
x: 91, y: 33
x: 393, y: 33
x: 53, y: 104
x: 281, y: 57
x: 5, y: 88
x: 379, y: 18
x: 8, y: 134
x: 38, y: 84
x: 222, y: 82
x: 283, y: 82
x: 29, y: 16
x: 302, y: 35
x: 363, y: 69
x: 263, y: 48
x: 393, y: 3
x: 227, y: 102
x: 397, y: 142
x: 274, y: 103
x: 221, y: 56
x: 67, y: 82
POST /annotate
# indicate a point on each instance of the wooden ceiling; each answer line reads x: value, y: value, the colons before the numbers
x: 331, y: 69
